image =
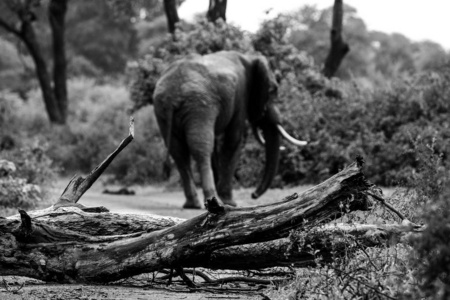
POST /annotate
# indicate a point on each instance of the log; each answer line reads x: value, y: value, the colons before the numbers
x: 70, y: 243
x: 279, y: 252
x: 40, y: 249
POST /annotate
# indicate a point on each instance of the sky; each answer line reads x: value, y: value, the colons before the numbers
x: 416, y: 19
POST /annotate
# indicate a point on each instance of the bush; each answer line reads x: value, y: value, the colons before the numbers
x: 415, y: 270
x: 432, y: 254
x: 33, y: 164
x: 428, y: 191
x: 16, y: 193
x: 25, y: 176
x: 97, y: 121
x: 342, y: 120
x: 370, y: 274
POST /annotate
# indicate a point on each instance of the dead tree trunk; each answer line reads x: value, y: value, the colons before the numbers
x: 338, y: 48
x: 71, y: 243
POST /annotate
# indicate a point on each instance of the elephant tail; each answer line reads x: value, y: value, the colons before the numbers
x: 167, y: 135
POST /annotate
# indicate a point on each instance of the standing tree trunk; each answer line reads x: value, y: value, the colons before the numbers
x: 217, y: 9
x: 338, y: 48
x: 170, y: 7
x: 56, y: 14
x: 28, y: 36
x: 55, y: 98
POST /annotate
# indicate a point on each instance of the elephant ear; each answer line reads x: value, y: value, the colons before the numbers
x: 259, y: 89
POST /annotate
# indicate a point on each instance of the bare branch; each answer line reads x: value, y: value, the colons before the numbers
x: 79, y: 185
x: 382, y: 200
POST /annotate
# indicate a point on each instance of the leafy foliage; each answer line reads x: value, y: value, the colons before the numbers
x: 100, y: 36
x: 97, y: 121
x: 25, y: 176
x: 342, y: 119
x: 429, y: 188
x: 374, y: 55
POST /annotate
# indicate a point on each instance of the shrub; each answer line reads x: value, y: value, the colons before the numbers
x: 97, y: 121
x: 428, y: 191
x: 370, y: 274
x: 16, y: 193
x: 33, y: 164
x: 24, y: 183
x: 141, y: 161
x: 415, y: 270
x: 342, y: 120
x: 432, y: 254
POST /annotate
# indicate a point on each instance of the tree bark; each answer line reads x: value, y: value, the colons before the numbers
x: 113, y: 227
x: 217, y: 9
x: 57, y: 13
x: 55, y: 106
x: 51, y: 103
x: 170, y: 7
x: 338, y: 48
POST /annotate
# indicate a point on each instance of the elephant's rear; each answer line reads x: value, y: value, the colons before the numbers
x: 192, y: 90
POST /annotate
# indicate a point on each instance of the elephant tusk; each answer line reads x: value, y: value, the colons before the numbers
x: 261, y: 139
x: 290, y: 138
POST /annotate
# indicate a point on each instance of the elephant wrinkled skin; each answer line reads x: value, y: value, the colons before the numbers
x: 202, y: 103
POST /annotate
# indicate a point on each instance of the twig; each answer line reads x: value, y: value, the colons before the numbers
x: 169, y: 282
x: 247, y: 279
x: 180, y: 272
x: 201, y: 274
x: 186, y: 279
x: 363, y: 283
x: 275, y: 273
x: 364, y: 250
x: 5, y: 284
x: 382, y: 200
x: 16, y: 291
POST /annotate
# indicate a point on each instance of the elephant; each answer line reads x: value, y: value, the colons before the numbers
x: 202, y: 104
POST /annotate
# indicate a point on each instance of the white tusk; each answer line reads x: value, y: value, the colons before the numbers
x: 290, y: 138
x: 260, y: 136
x: 263, y: 141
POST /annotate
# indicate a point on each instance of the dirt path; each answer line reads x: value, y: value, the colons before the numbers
x: 157, y: 200
x: 91, y: 292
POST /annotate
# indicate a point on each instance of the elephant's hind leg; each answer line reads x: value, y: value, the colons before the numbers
x: 200, y: 139
x: 228, y: 163
x: 180, y: 153
x: 228, y: 159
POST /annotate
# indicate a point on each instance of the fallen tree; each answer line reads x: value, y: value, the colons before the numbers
x: 68, y: 242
